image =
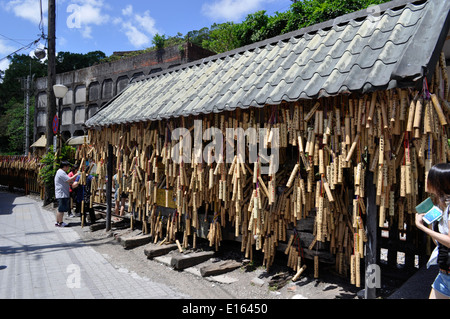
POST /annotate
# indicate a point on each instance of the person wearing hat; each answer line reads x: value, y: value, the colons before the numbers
x: 62, y: 191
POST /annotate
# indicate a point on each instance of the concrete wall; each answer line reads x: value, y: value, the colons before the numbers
x: 92, y: 87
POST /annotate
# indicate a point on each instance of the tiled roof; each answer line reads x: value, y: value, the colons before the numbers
x: 392, y: 45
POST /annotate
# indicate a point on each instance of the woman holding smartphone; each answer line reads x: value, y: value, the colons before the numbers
x: 438, y: 184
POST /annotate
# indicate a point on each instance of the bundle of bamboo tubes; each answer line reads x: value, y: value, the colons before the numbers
x: 326, y: 149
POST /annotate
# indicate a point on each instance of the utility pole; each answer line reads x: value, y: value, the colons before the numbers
x: 27, y: 115
x: 51, y: 80
x: 26, y: 87
x: 51, y: 72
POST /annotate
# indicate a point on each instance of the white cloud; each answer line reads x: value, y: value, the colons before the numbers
x: 5, y: 50
x: 86, y: 13
x: 27, y: 9
x: 128, y: 11
x: 139, y: 28
x: 137, y: 38
x: 147, y: 23
x: 4, y: 64
x: 231, y: 10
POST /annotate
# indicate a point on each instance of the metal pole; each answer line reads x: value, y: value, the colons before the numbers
x: 59, y: 143
x: 109, y: 169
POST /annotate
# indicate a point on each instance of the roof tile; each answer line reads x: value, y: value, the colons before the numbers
x: 365, y: 51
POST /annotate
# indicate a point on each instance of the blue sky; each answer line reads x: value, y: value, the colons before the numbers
x: 108, y: 26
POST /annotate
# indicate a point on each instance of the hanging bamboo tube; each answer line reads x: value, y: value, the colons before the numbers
x: 437, y: 107
x: 292, y: 176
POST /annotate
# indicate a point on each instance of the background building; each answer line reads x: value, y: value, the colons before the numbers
x: 90, y: 88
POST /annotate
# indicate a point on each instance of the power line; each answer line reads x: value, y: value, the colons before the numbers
x: 22, y: 48
x: 14, y: 40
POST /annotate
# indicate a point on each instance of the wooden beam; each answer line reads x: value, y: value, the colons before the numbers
x: 371, y: 231
x: 109, y: 187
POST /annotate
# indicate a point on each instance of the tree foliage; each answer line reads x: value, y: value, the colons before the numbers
x: 21, y: 65
x: 12, y: 127
x: 67, y: 61
x: 259, y: 26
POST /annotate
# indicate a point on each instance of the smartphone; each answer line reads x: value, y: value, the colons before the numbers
x: 431, y: 212
x: 433, y: 215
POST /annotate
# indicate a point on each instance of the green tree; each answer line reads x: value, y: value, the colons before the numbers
x: 309, y: 12
x: 159, y: 41
x: 222, y: 37
x: 12, y: 127
x: 198, y: 36
x: 51, y: 165
x: 253, y: 28
x: 21, y: 65
x: 67, y: 61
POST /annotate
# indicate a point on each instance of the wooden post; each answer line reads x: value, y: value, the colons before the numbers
x: 371, y: 231
x: 109, y: 169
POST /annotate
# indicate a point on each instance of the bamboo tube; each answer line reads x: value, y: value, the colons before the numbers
x: 299, y: 272
x: 338, y: 121
x: 438, y: 109
x: 292, y: 176
x: 403, y: 181
x: 328, y: 191
x: 408, y: 180
x: 403, y: 104
x: 418, y: 113
x: 382, y: 211
x: 372, y: 106
x: 321, y: 162
x: 316, y: 266
x: 311, y: 112
x: 352, y: 149
x: 180, y: 249
x: 427, y: 118
x: 384, y: 114
x: 357, y: 272
x: 347, y: 130
x: 353, y: 269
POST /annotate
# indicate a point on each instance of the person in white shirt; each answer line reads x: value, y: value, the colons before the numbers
x: 62, y: 191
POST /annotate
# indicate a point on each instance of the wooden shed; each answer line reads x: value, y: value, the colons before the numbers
x: 345, y: 118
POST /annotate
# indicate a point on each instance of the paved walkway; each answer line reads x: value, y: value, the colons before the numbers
x: 39, y: 260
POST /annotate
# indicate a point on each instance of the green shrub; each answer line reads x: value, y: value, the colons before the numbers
x: 51, y: 165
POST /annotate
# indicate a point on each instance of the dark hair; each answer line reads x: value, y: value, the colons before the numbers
x: 438, y: 180
x: 64, y: 163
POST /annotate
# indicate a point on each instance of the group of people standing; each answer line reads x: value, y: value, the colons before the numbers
x: 68, y: 186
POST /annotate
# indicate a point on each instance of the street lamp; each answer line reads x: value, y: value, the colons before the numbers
x: 60, y: 91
